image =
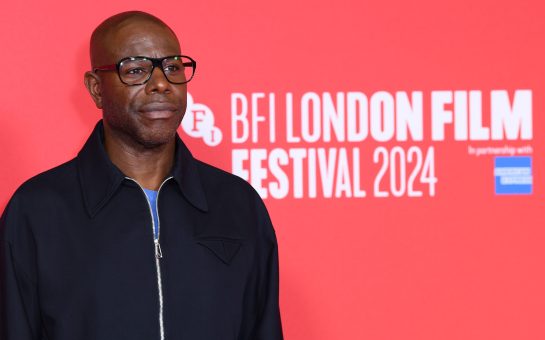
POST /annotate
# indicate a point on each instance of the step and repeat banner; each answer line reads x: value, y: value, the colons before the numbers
x: 399, y: 147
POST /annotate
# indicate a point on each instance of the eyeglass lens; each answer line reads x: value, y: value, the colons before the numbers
x: 178, y: 70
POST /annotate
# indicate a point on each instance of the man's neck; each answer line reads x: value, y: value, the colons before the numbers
x: 148, y: 166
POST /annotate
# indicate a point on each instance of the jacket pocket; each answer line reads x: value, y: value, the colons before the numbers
x: 224, y: 249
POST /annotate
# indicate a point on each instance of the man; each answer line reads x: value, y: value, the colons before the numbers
x: 134, y: 238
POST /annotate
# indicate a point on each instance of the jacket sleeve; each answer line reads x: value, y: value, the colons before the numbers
x: 269, y: 325
x: 19, y: 311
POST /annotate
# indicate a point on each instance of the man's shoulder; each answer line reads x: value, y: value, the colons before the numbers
x: 215, y: 178
x: 59, y: 178
x: 235, y: 200
x: 35, y: 198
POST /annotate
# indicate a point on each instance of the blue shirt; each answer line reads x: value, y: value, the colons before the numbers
x: 152, y: 199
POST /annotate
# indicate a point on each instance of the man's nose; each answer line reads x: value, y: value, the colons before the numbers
x: 158, y: 81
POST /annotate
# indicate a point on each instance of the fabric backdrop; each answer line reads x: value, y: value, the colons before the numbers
x: 398, y: 146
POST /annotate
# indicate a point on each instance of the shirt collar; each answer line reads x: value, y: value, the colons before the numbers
x: 100, y: 178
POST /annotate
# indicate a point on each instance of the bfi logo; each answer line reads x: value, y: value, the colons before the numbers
x: 199, y: 122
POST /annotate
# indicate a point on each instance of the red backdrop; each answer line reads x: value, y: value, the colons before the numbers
x: 418, y: 99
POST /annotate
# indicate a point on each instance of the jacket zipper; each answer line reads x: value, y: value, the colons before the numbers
x: 158, y: 251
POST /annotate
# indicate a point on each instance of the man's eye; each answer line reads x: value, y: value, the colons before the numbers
x: 172, y: 68
x: 135, y: 71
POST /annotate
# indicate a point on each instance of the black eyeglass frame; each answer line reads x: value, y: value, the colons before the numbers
x: 156, y: 62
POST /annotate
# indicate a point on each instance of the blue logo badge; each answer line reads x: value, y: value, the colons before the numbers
x: 513, y: 175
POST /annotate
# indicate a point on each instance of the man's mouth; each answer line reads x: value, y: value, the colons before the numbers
x: 158, y: 110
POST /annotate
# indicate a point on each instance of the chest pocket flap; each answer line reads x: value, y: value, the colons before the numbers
x: 224, y: 249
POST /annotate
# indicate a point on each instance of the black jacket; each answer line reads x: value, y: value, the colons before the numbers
x: 78, y: 259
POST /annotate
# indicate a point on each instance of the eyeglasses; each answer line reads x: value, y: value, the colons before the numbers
x: 178, y: 69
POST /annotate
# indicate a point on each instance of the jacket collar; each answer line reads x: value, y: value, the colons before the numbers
x: 100, y: 178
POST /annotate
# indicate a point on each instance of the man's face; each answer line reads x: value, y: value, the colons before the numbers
x: 147, y: 114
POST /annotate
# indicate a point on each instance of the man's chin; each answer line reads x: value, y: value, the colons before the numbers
x: 143, y: 135
x: 156, y: 141
x: 158, y: 132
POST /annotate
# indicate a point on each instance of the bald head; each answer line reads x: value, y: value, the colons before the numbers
x: 108, y: 38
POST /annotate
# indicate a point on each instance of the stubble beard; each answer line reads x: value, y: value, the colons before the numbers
x: 130, y: 130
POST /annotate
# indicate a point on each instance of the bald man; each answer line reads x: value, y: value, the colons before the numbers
x: 134, y: 238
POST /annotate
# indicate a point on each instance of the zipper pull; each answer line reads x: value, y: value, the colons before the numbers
x: 158, y: 252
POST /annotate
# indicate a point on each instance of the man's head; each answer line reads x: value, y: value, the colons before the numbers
x: 148, y: 114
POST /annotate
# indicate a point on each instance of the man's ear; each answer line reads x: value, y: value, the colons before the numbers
x: 92, y: 83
